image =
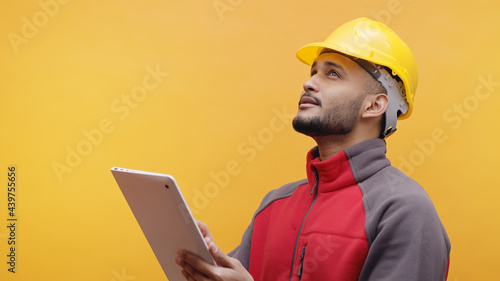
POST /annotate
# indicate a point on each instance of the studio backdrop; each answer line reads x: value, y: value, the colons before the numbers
x: 206, y: 91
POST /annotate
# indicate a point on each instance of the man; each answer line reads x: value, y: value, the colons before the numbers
x: 355, y: 217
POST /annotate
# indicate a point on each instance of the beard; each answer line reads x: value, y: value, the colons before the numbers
x: 338, y: 120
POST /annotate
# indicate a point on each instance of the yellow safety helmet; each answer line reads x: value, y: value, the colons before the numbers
x: 376, y: 43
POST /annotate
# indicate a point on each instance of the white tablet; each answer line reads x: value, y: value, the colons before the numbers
x: 163, y: 215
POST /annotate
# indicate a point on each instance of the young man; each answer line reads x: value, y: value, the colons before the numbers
x: 355, y: 217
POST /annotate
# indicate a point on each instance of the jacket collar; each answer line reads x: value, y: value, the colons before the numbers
x: 348, y: 167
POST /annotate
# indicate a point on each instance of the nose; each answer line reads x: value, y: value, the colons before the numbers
x: 311, y: 85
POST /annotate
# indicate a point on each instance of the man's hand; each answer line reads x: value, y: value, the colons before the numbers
x: 195, y: 268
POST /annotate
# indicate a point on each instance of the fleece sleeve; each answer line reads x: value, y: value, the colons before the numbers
x: 406, y: 238
x: 242, y: 252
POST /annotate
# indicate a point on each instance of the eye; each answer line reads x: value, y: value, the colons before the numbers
x: 333, y: 73
x: 313, y: 72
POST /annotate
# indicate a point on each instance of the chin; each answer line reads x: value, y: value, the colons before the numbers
x: 307, y: 113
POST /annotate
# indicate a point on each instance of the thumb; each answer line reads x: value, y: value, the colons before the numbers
x: 219, y: 257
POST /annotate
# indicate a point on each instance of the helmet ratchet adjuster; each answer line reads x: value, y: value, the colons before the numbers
x: 397, y: 102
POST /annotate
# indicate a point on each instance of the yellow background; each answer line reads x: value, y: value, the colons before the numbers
x: 228, y: 83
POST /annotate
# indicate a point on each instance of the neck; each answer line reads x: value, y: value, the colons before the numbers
x: 329, y: 146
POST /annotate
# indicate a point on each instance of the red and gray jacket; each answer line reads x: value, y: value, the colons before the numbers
x: 355, y: 217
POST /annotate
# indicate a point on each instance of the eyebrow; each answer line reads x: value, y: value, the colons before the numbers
x: 332, y: 64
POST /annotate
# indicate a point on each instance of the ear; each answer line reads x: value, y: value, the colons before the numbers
x: 375, y: 105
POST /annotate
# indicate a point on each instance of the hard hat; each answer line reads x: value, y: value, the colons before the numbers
x: 377, y: 44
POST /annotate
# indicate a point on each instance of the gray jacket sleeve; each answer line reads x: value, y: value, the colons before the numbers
x: 406, y: 238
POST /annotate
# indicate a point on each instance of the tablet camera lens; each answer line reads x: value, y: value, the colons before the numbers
x: 166, y: 186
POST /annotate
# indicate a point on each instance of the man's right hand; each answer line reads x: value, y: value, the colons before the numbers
x: 195, y: 268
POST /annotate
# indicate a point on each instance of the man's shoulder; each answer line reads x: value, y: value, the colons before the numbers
x: 392, y: 193
x: 283, y: 192
x: 394, y: 201
x: 390, y: 182
x: 287, y: 189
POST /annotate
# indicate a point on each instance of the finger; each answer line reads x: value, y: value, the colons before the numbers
x: 208, y: 240
x: 190, y: 273
x: 194, y: 264
x: 186, y: 275
x: 221, y: 258
x: 204, y: 229
x: 187, y: 270
x: 179, y: 261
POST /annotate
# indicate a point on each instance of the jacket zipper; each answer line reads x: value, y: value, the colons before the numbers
x: 301, y: 266
x: 315, y: 191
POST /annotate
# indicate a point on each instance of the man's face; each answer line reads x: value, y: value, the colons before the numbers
x: 331, y: 100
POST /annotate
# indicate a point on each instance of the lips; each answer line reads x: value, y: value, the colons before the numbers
x: 308, y: 101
